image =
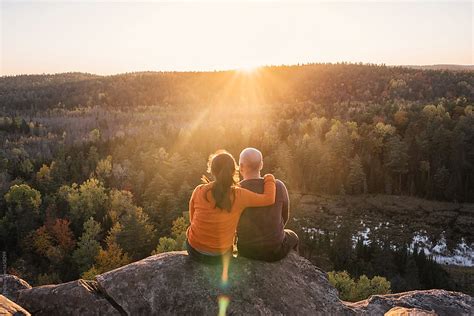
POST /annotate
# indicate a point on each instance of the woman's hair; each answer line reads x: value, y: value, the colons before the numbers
x: 224, y: 170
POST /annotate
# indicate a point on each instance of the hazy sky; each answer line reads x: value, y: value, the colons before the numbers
x: 115, y: 37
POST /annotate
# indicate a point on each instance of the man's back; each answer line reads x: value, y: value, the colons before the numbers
x: 262, y: 228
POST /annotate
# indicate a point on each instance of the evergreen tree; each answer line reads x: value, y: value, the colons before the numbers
x: 24, y: 127
x: 88, y: 245
x: 356, y: 290
x: 135, y: 235
x: 396, y: 158
x: 178, y: 232
x: 356, y: 176
x: 441, y: 179
x: 165, y: 244
x: 340, y: 147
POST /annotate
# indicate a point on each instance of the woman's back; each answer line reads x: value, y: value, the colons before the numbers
x: 212, y: 229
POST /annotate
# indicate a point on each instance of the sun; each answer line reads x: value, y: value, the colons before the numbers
x: 248, y: 69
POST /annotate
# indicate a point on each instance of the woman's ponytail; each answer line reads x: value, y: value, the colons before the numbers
x: 224, y: 170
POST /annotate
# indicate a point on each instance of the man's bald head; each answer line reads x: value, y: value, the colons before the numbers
x: 251, y: 160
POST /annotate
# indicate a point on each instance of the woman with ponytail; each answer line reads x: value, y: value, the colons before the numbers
x: 215, y: 208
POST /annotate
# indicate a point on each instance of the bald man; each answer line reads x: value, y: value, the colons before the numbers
x: 261, y: 232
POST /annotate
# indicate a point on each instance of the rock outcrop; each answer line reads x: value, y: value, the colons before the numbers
x: 9, y: 308
x: 438, y: 302
x: 73, y: 298
x: 403, y: 311
x: 171, y: 283
x: 10, y: 285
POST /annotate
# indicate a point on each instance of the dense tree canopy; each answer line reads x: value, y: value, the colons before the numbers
x: 97, y: 171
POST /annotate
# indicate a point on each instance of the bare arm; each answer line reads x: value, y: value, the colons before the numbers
x: 191, y: 205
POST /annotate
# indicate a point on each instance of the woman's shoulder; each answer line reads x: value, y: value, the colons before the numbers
x: 201, y: 189
x: 202, y: 186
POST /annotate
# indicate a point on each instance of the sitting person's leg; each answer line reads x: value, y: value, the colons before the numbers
x: 290, y: 242
x: 258, y: 254
x: 204, y: 258
x: 292, y: 239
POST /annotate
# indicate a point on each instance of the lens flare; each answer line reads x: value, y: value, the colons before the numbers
x: 224, y: 300
x: 223, y: 304
x: 225, y: 271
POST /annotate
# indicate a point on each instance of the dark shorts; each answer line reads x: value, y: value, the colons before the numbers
x: 290, y: 242
x: 203, y: 258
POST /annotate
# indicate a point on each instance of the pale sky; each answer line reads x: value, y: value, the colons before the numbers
x: 116, y: 37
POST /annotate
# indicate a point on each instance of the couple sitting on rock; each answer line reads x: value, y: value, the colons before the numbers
x: 256, y: 208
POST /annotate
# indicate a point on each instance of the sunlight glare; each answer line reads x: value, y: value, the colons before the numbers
x: 223, y: 304
x: 248, y: 69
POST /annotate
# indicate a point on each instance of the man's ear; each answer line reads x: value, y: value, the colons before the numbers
x: 241, y: 167
x: 261, y: 165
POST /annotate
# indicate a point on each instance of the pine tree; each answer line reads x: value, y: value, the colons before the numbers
x: 441, y: 178
x: 285, y: 165
x: 356, y: 176
x: 178, y: 232
x: 165, y: 244
x: 88, y: 245
x: 396, y: 158
x: 340, y: 147
x: 135, y: 235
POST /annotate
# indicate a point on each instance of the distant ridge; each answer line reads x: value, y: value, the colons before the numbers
x: 77, y: 76
x: 444, y: 67
x: 319, y: 83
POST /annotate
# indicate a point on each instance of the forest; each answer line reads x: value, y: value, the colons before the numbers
x: 97, y: 171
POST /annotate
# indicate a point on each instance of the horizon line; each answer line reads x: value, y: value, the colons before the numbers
x: 235, y: 69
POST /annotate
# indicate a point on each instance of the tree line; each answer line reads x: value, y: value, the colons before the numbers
x: 96, y: 172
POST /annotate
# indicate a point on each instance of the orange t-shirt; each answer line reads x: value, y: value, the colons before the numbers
x: 212, y: 229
